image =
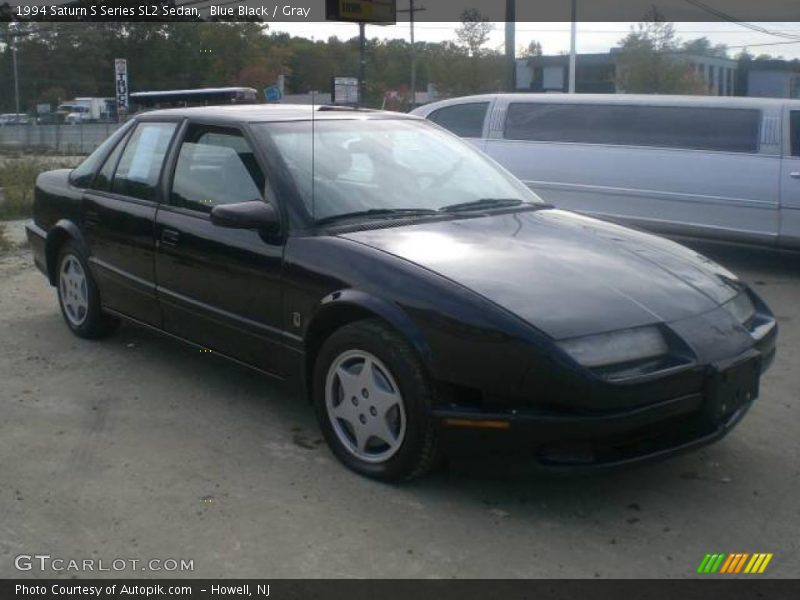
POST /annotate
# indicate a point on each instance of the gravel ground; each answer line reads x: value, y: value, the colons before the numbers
x: 140, y: 447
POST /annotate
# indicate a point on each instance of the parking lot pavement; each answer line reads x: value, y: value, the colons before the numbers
x: 140, y: 447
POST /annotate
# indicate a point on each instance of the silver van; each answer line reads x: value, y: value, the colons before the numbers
x: 721, y: 167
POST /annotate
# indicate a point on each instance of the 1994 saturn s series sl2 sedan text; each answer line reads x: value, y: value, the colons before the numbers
x: 426, y: 301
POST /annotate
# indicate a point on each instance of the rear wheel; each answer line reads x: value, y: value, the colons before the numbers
x: 373, y: 403
x: 79, y: 297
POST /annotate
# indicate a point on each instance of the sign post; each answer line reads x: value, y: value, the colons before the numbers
x: 376, y: 12
x: 121, y: 87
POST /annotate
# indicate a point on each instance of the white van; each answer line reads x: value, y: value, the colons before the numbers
x: 720, y: 167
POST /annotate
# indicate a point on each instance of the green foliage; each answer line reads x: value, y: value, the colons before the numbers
x: 59, y: 61
x: 704, y: 47
x: 17, y: 178
x: 651, y: 62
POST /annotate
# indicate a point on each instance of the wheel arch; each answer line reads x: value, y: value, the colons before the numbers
x: 63, y: 231
x: 347, y: 306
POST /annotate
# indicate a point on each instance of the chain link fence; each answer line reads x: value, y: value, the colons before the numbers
x: 77, y: 139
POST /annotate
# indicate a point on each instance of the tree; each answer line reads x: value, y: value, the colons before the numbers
x: 533, y: 49
x: 651, y: 63
x: 704, y: 47
x: 474, y: 31
x: 473, y: 34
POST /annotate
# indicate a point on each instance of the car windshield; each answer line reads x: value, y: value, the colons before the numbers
x: 368, y: 167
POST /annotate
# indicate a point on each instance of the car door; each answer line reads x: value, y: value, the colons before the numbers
x: 790, y: 183
x: 118, y: 219
x: 219, y: 287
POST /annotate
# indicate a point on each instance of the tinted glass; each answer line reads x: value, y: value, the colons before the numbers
x: 215, y: 167
x: 696, y: 128
x: 140, y: 166
x: 106, y: 173
x: 82, y: 175
x: 465, y: 120
x: 795, y: 124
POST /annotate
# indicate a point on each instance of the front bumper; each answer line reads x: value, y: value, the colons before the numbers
x: 583, y: 440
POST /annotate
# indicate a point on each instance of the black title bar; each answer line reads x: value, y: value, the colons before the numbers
x: 434, y: 10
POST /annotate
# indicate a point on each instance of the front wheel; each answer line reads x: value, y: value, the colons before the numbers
x: 373, y: 403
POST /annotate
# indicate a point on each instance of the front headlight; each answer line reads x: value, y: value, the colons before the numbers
x: 741, y: 308
x: 616, y: 347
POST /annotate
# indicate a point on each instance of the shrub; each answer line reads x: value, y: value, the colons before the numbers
x: 17, y: 178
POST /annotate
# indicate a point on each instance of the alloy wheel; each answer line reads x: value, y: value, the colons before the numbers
x: 73, y: 290
x: 365, y: 406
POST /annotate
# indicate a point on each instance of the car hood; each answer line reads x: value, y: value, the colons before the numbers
x: 565, y: 274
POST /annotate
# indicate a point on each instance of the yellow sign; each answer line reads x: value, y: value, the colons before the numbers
x: 362, y: 11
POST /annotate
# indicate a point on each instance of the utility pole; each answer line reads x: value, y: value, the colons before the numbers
x: 14, y: 60
x: 511, y: 63
x: 362, y: 63
x: 413, y: 8
x: 413, y: 55
x: 573, y: 34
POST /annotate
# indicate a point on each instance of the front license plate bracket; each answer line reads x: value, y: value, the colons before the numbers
x: 732, y: 384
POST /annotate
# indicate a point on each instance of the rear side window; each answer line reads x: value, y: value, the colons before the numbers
x: 465, y: 120
x: 215, y: 166
x: 140, y: 165
x: 693, y: 128
x: 82, y: 175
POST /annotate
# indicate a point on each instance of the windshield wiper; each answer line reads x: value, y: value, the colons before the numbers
x: 481, y: 204
x: 376, y: 212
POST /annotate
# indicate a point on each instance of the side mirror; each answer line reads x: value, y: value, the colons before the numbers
x: 254, y: 214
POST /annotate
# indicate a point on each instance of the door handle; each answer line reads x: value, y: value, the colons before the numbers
x: 795, y: 174
x: 170, y: 237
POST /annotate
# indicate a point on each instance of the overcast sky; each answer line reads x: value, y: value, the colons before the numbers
x: 554, y: 37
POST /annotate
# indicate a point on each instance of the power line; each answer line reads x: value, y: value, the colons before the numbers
x: 726, y: 17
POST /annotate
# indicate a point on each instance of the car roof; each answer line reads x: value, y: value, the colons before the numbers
x: 648, y: 99
x: 254, y: 113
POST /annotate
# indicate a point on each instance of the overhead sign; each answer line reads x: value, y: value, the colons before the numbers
x: 121, y: 85
x: 377, y: 12
x: 272, y: 93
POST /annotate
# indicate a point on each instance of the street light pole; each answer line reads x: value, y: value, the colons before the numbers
x: 573, y: 33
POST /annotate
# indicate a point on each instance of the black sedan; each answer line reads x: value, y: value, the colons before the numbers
x: 425, y: 301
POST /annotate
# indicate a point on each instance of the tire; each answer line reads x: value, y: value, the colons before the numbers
x: 78, y: 295
x: 397, y: 405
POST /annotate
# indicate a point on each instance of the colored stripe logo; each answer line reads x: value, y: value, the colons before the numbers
x: 737, y: 562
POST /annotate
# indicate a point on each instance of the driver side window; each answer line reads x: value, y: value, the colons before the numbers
x: 215, y: 166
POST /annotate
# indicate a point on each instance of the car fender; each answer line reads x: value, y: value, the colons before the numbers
x: 63, y: 229
x: 390, y: 312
